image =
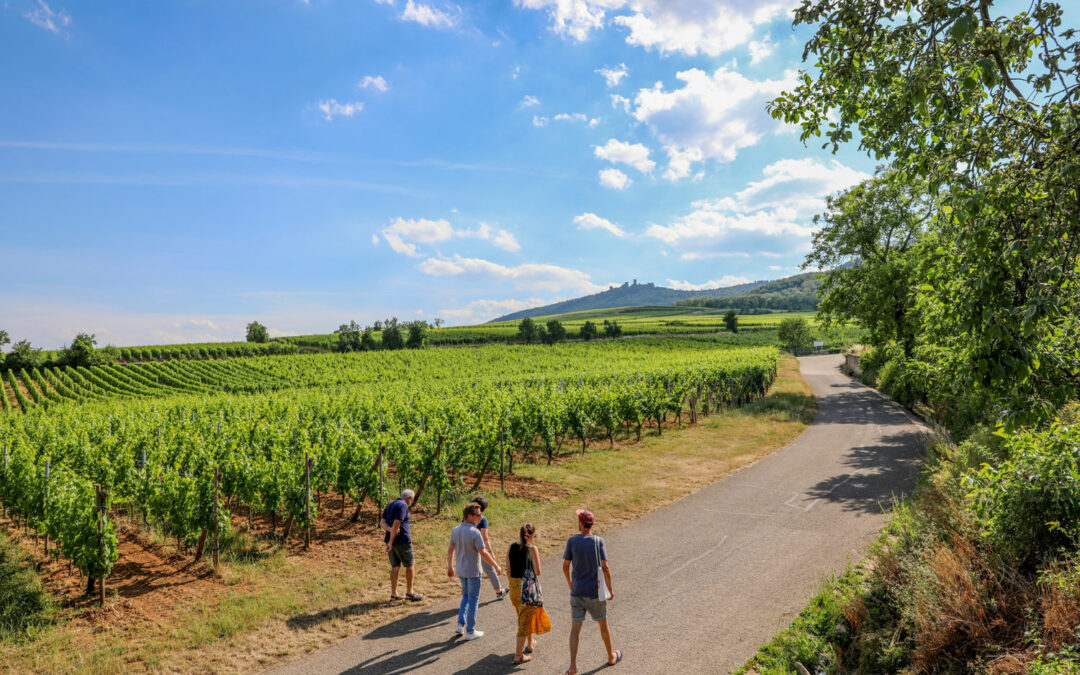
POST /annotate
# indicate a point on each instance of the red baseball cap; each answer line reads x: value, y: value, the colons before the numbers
x: 585, y: 517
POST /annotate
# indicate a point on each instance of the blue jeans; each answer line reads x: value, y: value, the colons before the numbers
x: 470, y: 598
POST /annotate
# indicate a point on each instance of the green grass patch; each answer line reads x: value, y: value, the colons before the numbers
x: 26, y: 608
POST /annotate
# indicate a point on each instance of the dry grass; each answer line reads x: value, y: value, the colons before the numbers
x: 285, y: 603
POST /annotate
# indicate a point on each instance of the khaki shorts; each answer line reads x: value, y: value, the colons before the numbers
x: 596, y: 609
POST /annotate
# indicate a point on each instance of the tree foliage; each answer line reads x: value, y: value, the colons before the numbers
x: 417, y: 335
x: 23, y: 355
x: 870, y: 240
x: 731, y: 321
x: 794, y: 334
x: 588, y: 331
x: 982, y: 108
x: 527, y: 330
x: 555, y: 332
x: 612, y: 329
x: 256, y: 332
x: 350, y: 337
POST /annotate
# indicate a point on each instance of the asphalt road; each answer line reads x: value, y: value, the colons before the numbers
x: 702, y: 583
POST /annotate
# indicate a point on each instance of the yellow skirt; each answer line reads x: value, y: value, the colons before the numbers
x: 531, y: 620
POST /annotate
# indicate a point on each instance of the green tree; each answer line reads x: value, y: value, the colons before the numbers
x: 256, y: 332
x: 417, y: 333
x: 588, y: 331
x: 869, y: 240
x: 367, y: 340
x: 983, y: 107
x: 349, y: 337
x: 794, y: 334
x: 612, y: 329
x: 555, y: 332
x: 731, y: 321
x: 391, y: 336
x: 4, y: 339
x: 23, y: 355
x: 81, y: 351
x: 527, y: 330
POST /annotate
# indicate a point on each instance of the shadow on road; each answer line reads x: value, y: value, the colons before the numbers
x: 305, y: 621
x: 395, y: 663
x: 413, y: 623
x: 879, y: 474
x: 853, y: 403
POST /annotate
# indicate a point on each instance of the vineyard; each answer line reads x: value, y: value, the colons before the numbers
x: 184, y: 445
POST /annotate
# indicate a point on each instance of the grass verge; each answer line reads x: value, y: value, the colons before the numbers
x: 274, y: 604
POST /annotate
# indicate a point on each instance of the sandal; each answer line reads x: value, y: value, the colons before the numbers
x: 414, y: 596
x: 395, y: 598
x: 618, y: 657
x: 524, y: 659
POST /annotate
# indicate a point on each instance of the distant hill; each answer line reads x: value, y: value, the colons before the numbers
x: 793, y: 294
x: 629, y: 294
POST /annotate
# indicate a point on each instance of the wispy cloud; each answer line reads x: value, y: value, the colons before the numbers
x: 45, y: 17
x: 613, y: 75
x: 331, y: 109
x: 591, y: 221
x: 427, y: 15
x: 722, y: 282
x: 376, y: 82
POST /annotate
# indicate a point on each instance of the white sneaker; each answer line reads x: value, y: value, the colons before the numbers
x: 460, y: 630
x: 475, y: 635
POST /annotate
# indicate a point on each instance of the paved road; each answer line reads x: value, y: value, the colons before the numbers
x: 702, y: 583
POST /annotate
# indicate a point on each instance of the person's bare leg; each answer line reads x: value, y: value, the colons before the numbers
x: 394, y: 571
x: 532, y: 642
x: 409, y: 573
x: 575, y: 635
x: 605, y: 634
x: 519, y: 654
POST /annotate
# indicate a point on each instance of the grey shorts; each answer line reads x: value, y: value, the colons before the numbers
x: 596, y: 609
x: 401, y: 555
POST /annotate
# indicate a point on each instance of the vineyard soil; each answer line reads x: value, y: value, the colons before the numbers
x: 270, y: 603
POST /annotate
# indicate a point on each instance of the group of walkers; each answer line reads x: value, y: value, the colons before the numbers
x: 470, y: 556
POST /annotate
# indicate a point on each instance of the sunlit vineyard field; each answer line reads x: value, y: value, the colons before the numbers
x: 184, y: 443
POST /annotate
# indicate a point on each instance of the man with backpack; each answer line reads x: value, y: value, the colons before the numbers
x: 395, y: 521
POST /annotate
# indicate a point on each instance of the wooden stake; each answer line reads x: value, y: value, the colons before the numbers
x: 424, y: 480
x: 307, y: 502
x: 502, y: 457
x: 217, y: 519
x: 102, y: 498
x: 378, y: 500
x: 45, y: 507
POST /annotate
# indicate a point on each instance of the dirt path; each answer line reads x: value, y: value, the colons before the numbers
x: 702, y: 583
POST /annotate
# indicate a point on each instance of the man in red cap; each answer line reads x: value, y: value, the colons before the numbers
x: 584, y: 559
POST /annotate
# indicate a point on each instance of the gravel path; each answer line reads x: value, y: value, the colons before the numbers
x: 702, y: 583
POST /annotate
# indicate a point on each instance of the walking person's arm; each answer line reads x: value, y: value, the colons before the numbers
x: 393, y: 534
x: 486, y: 555
x: 607, y: 578
x: 450, y: 561
x: 566, y: 573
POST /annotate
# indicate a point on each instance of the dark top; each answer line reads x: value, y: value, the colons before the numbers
x: 582, y: 550
x: 483, y: 524
x: 519, y: 556
x: 398, y: 510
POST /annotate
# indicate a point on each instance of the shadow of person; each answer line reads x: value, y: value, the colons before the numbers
x: 413, y: 623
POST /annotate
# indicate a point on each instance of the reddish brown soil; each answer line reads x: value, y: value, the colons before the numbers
x: 7, y: 391
x: 150, y: 581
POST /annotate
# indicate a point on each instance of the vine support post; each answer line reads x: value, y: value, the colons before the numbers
x: 379, y: 497
x: 6, y: 460
x: 502, y: 458
x: 102, y: 499
x: 45, y: 505
x: 146, y: 481
x: 217, y: 520
x: 307, y: 502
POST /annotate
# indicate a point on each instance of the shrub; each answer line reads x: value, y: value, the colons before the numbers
x: 588, y: 331
x: 794, y: 334
x: 527, y: 330
x: 1030, y: 504
x: 391, y: 337
x: 556, y: 332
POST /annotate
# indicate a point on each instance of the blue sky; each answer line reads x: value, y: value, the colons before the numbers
x: 170, y: 171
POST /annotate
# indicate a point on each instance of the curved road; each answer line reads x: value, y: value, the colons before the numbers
x: 702, y: 583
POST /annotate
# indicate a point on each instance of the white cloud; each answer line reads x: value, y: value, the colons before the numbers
x: 539, y: 121
x: 45, y: 17
x: 614, y: 179
x: 479, y: 311
x: 689, y: 26
x: 374, y: 240
x: 710, y: 116
x: 591, y: 221
x: 529, y: 276
x: 402, y: 235
x: 760, y: 50
x: 620, y: 102
x: 331, y: 109
x: 634, y: 154
x: 571, y: 117
x: 528, y: 101
x: 722, y: 282
x: 498, y: 237
x: 375, y: 82
x: 770, y: 217
x: 426, y: 15
x: 613, y: 75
